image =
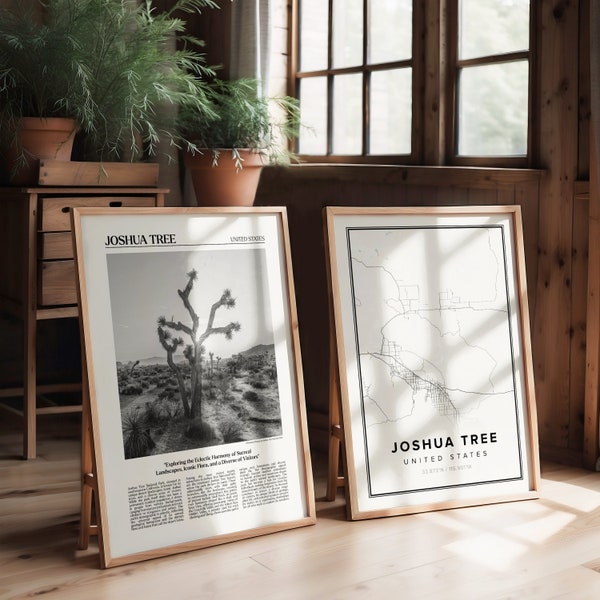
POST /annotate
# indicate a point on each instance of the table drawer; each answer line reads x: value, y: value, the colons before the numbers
x: 55, y: 212
x: 55, y: 245
x: 56, y: 283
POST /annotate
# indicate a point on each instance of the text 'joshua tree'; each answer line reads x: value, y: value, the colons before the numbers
x: 169, y: 334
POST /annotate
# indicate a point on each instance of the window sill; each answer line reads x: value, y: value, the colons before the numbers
x: 480, y: 177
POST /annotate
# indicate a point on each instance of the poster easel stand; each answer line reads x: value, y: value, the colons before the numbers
x: 88, y: 479
x: 335, y: 477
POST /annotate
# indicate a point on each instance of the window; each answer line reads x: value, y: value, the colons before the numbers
x: 359, y: 72
x: 355, y: 77
x: 492, y: 78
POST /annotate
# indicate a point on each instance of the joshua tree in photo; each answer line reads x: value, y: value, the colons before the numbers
x: 171, y: 344
x: 211, y: 371
x: 193, y: 352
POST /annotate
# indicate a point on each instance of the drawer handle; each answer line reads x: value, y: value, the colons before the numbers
x: 65, y: 209
x: 115, y: 203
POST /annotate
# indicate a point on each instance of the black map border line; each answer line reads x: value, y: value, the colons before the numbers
x: 400, y: 492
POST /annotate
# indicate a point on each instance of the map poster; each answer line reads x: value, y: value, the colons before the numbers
x: 195, y: 383
x: 434, y: 356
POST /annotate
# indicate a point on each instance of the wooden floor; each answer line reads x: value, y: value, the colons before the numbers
x: 547, y: 548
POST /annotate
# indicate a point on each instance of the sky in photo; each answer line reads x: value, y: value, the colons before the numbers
x: 143, y: 287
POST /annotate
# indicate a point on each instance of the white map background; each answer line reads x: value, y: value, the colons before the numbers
x: 433, y: 336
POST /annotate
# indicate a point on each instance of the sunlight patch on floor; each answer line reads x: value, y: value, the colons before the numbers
x: 489, y: 550
x: 542, y: 529
x: 576, y: 497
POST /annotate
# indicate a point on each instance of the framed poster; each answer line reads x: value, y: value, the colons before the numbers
x: 196, y: 392
x: 434, y: 356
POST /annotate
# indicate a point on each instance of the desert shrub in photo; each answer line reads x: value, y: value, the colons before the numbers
x: 130, y: 388
x: 154, y: 413
x: 250, y: 396
x: 137, y: 439
x: 231, y: 431
x: 258, y: 383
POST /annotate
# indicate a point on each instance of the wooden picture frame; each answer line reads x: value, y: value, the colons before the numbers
x: 434, y: 357
x: 195, y: 384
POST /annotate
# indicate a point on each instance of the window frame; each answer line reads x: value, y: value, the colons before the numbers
x: 454, y: 66
x: 434, y: 118
x: 365, y: 69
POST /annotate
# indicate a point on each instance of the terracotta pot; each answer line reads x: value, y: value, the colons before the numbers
x: 50, y: 138
x: 223, y: 184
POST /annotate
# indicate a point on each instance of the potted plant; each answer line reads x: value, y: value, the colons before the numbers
x: 105, y: 64
x: 227, y: 146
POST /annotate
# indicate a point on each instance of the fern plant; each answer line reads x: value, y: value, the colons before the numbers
x: 240, y: 117
x: 108, y: 64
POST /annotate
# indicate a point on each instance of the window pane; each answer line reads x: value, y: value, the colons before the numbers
x: 489, y: 27
x: 314, y: 23
x: 492, y: 110
x: 391, y: 112
x: 347, y: 114
x: 313, y: 113
x: 347, y: 33
x: 390, y: 30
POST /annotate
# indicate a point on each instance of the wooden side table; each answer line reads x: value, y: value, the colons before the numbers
x: 37, y: 274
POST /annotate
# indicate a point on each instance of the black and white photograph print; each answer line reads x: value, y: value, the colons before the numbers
x: 192, y: 369
x: 194, y: 349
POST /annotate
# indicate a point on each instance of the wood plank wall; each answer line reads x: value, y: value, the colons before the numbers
x: 557, y: 111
